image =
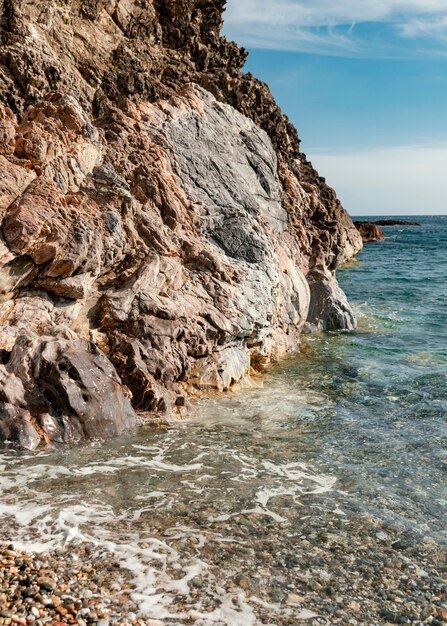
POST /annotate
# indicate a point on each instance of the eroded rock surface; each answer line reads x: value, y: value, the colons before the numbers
x: 60, y: 389
x: 162, y: 235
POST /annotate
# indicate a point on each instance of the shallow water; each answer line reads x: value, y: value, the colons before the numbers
x: 356, y: 425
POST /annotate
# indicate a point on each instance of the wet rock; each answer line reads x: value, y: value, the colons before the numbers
x: 16, y: 422
x: 329, y: 309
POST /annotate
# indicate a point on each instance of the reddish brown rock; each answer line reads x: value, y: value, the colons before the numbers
x: 395, y: 222
x: 7, y: 131
x: 14, y: 180
x: 162, y: 232
x: 369, y: 231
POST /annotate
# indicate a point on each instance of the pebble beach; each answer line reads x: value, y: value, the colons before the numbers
x: 347, y: 573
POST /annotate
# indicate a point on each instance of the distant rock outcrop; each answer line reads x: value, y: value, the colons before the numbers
x: 369, y: 231
x: 162, y: 235
x: 396, y: 223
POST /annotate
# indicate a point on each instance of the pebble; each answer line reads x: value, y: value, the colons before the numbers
x: 442, y: 613
x: 46, y: 583
x: 62, y: 599
x: 305, y: 614
x: 341, y: 572
x: 293, y: 599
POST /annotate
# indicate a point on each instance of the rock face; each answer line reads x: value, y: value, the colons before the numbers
x: 369, y: 231
x: 161, y: 233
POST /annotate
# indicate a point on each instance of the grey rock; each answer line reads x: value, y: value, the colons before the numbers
x: 329, y: 308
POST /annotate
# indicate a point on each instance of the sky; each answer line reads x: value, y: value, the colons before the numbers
x: 365, y: 83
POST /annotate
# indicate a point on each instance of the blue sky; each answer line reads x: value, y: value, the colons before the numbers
x: 366, y: 85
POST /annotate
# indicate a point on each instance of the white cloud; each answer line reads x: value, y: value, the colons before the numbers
x: 388, y: 181
x: 326, y: 12
x: 346, y: 27
x: 432, y: 28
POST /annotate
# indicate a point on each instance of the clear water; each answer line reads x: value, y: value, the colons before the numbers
x: 390, y: 378
x: 354, y: 426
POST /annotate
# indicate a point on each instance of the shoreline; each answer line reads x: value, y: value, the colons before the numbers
x: 354, y: 569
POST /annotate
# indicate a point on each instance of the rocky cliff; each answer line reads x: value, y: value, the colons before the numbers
x: 161, y: 233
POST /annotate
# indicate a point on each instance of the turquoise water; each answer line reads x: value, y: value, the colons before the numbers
x: 353, y: 427
x: 388, y: 424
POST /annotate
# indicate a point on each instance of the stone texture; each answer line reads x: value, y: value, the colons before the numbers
x: 329, y: 309
x: 162, y: 233
x: 60, y: 389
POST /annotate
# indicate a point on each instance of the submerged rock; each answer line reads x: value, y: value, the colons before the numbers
x: 162, y: 234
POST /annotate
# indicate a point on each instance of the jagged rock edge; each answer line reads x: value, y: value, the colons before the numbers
x: 272, y: 230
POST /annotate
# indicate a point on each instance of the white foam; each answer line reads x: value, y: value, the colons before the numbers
x: 50, y: 506
x: 255, y: 511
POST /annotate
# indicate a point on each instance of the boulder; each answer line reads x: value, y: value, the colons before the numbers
x: 60, y: 389
x: 369, y: 231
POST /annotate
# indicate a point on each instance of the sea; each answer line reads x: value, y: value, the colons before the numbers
x: 352, y: 427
